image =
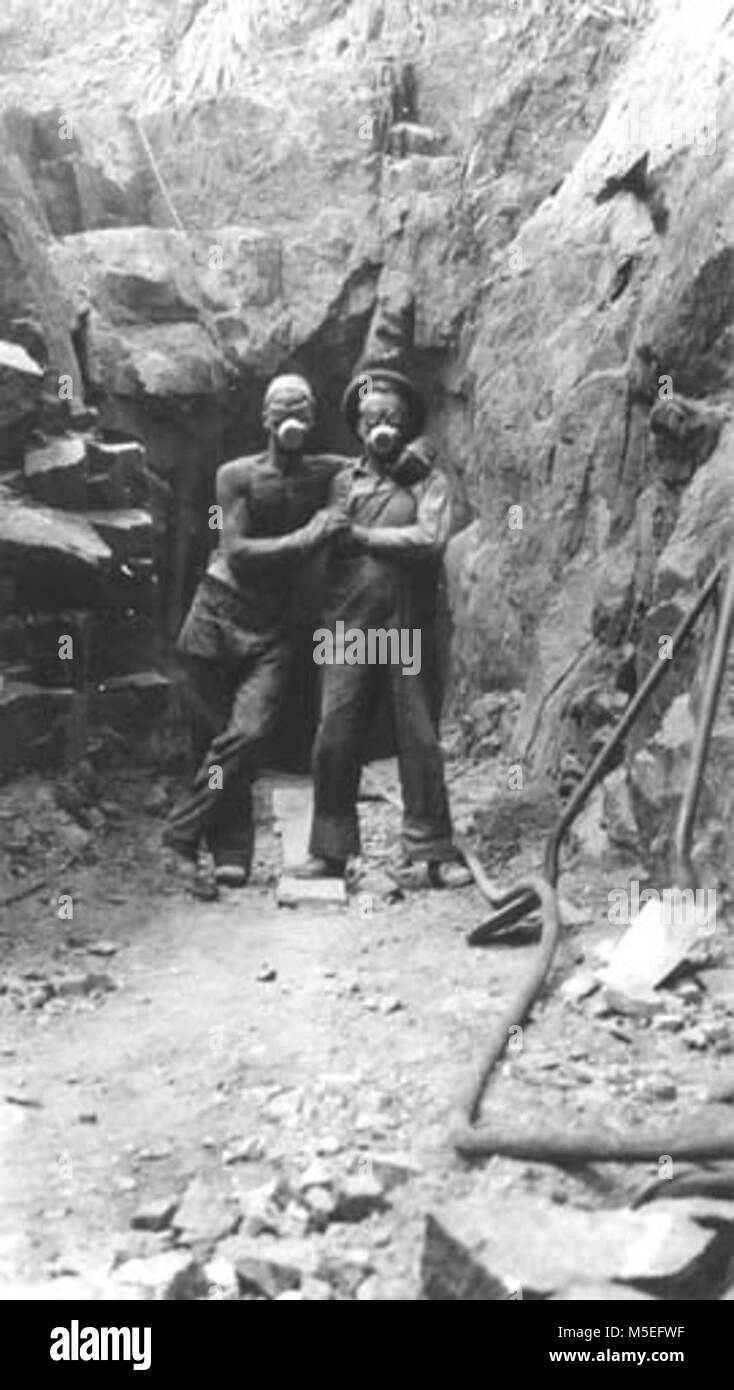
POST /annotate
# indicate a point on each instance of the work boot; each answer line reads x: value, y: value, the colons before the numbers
x: 449, y: 873
x: 320, y: 868
x: 192, y: 867
x: 232, y: 856
x: 230, y: 875
x: 413, y: 874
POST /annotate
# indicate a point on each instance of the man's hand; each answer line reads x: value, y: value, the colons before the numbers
x: 359, y: 536
x: 324, y: 524
x: 415, y: 462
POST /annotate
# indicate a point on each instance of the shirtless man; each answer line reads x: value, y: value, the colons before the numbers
x: 234, y: 644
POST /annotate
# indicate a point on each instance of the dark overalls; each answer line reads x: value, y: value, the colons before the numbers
x: 366, y: 590
x: 236, y: 654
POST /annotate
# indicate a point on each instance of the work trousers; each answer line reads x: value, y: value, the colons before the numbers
x: 234, y: 701
x: 350, y: 696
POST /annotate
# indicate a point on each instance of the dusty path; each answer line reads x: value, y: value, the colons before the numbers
x: 352, y: 1041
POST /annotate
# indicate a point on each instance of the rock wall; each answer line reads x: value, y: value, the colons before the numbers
x: 529, y: 203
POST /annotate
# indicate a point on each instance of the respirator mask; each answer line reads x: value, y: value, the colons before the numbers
x: 291, y: 433
x: 383, y: 439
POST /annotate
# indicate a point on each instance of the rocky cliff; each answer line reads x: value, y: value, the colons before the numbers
x: 529, y: 203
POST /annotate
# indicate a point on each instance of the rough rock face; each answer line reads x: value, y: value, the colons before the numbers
x: 602, y: 384
x: 20, y: 389
x: 530, y: 204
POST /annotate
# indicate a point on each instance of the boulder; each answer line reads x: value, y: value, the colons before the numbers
x: 128, y: 533
x: 532, y: 1249
x: 44, y: 549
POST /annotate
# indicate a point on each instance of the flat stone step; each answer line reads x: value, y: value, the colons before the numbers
x: 293, y: 809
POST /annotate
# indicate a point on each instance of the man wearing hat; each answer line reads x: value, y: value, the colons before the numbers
x: 382, y: 573
x: 234, y: 644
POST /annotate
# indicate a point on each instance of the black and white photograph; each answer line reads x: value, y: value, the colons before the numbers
x: 366, y: 667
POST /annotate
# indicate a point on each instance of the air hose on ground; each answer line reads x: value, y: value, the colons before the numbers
x: 703, y: 1139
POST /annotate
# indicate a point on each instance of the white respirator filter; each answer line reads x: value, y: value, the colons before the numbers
x: 291, y: 433
x: 383, y: 438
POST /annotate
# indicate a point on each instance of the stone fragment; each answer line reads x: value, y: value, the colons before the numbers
x: 247, y: 1150
x: 127, y: 531
x: 667, y: 1023
x: 318, y: 1174
x: 696, y: 1039
x: 90, y: 983
x: 638, y: 1004
x: 329, y: 1146
x: 141, y: 1245
x: 393, y: 1169
x: 358, y: 1196
x: 321, y: 1205
x: 207, y: 1212
x: 38, y: 544
x: 346, y: 1271
x: 267, y: 1267
x: 154, y: 1215
x: 578, y: 987
x: 316, y: 1290
x: 659, y: 1087
x: 56, y: 472
x: 261, y: 1209
x: 170, y: 1276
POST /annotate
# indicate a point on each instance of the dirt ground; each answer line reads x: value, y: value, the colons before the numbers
x: 150, y: 1040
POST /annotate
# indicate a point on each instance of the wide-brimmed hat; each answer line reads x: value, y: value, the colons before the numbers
x: 384, y: 376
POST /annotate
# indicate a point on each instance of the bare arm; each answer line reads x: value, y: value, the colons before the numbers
x: 426, y: 537
x: 244, y: 552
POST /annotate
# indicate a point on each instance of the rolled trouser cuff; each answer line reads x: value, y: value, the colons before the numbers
x: 334, y: 837
x: 428, y: 844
